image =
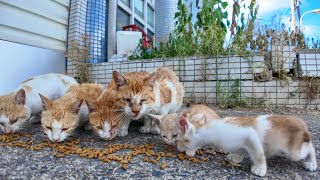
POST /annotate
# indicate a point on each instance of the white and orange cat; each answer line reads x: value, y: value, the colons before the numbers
x: 17, y: 107
x: 260, y: 137
x: 133, y: 96
x: 106, y: 118
x: 194, y: 114
x: 62, y: 116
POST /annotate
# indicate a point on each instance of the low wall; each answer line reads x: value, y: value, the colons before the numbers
x: 213, y: 80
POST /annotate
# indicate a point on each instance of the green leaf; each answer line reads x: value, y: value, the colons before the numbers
x: 224, y: 4
x: 177, y: 14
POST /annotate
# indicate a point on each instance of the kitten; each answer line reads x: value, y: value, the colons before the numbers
x: 17, y: 107
x: 260, y: 136
x: 105, y: 118
x: 169, y: 132
x: 61, y: 117
x: 142, y: 93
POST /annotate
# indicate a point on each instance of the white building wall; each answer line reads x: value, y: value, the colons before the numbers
x: 33, y: 37
x: 18, y: 62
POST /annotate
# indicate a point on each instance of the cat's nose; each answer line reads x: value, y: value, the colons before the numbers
x: 136, y: 112
x: 55, y: 138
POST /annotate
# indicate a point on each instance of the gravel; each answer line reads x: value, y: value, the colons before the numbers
x: 19, y: 163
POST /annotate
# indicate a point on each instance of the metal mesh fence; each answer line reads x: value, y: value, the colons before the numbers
x: 234, y: 81
x: 89, y: 18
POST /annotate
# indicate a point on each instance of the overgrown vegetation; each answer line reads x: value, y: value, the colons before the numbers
x: 79, y: 55
x: 230, y: 97
x: 311, y: 86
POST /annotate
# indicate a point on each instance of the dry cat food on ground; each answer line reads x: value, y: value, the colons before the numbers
x: 105, y: 155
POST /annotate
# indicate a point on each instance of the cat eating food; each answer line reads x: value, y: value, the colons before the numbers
x: 169, y: 132
x: 141, y: 93
x: 17, y: 107
x: 105, y: 118
x: 62, y: 116
x: 260, y: 137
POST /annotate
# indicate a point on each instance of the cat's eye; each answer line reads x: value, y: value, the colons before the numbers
x: 114, y: 126
x: 174, y: 136
x: 64, y: 129
x: 99, y: 127
x: 127, y: 99
x: 48, y: 127
x: 142, y: 100
x: 14, y: 121
x: 1, y: 123
x: 1, y: 109
x: 164, y: 136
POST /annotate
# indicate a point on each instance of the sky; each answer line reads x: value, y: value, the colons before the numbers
x: 310, y: 22
x: 281, y: 8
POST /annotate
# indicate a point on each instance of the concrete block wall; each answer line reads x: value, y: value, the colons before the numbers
x: 207, y: 80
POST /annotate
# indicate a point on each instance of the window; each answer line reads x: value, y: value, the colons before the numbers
x: 150, y: 34
x: 95, y: 28
x: 123, y: 19
x: 139, y: 24
x: 139, y: 8
x: 150, y: 14
x: 126, y: 2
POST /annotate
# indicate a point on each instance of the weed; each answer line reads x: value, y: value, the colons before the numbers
x: 231, y: 98
x: 310, y: 85
x: 79, y: 54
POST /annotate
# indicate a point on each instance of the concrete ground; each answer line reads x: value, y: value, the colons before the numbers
x: 20, y: 163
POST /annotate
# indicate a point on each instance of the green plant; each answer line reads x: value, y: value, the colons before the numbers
x: 230, y: 98
x: 78, y: 54
x: 143, y: 52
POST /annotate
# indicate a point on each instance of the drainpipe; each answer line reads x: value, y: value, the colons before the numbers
x: 112, y: 17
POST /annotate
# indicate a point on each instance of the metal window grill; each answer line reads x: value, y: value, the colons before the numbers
x: 90, y: 18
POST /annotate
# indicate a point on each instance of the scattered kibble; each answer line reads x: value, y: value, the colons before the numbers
x: 163, y: 165
x: 106, y: 155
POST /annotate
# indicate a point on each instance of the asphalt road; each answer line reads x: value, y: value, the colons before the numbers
x: 22, y: 163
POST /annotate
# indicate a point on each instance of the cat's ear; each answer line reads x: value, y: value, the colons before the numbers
x: 76, y: 106
x: 91, y: 106
x: 119, y: 79
x: 46, y: 103
x: 20, y: 97
x: 182, y: 123
x: 151, y: 79
x: 156, y: 119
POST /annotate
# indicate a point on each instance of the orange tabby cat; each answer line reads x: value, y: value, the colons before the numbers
x: 159, y: 92
x: 194, y: 114
x: 131, y: 96
x: 105, y: 118
x: 60, y: 117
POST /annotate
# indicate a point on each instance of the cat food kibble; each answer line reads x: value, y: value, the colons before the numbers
x: 105, y: 155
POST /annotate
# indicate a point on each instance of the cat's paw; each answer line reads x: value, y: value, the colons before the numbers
x: 190, y: 153
x: 260, y: 169
x: 235, y: 158
x: 122, y: 132
x: 155, y: 130
x: 311, y: 166
x: 144, y: 129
